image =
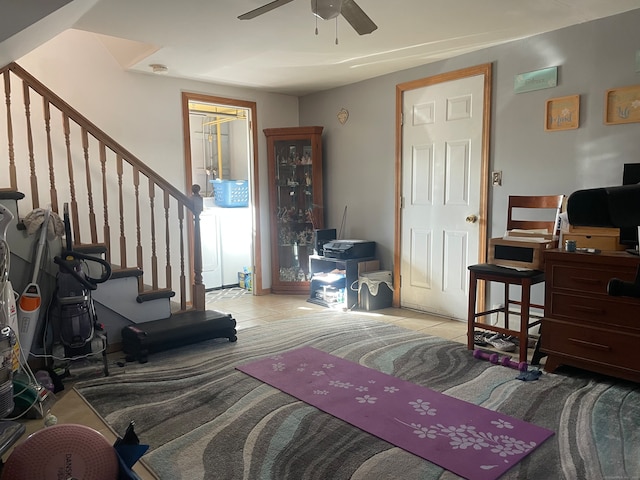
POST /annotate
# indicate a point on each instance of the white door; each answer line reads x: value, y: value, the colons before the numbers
x: 442, y: 136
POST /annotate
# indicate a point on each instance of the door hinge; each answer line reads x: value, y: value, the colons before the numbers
x: 401, y: 202
x: 402, y: 118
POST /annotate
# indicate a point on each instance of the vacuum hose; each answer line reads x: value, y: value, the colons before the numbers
x: 69, y: 261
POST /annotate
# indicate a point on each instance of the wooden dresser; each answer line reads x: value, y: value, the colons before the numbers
x: 585, y: 327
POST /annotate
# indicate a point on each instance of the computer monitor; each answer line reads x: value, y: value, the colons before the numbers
x: 630, y: 175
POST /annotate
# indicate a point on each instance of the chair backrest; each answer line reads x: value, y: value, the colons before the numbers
x: 530, y: 220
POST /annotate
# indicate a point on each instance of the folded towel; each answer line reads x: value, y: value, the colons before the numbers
x: 529, y: 375
x: 35, y: 218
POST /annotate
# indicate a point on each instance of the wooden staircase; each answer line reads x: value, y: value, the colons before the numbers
x: 119, y: 207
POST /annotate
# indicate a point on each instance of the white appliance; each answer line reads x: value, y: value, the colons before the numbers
x: 226, y: 244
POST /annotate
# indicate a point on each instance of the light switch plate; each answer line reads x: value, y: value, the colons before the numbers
x: 496, y: 178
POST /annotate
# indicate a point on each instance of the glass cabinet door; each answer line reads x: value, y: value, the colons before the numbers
x: 296, y: 196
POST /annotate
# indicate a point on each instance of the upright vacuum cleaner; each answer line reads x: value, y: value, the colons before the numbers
x: 74, y: 320
x: 31, y: 298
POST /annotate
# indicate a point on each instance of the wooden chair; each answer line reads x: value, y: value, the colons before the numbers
x: 508, y: 276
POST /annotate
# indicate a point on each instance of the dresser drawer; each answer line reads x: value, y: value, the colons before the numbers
x: 592, y: 344
x: 606, y: 310
x: 585, y: 279
x: 600, y: 242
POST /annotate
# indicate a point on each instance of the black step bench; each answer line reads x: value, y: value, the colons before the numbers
x: 187, y: 328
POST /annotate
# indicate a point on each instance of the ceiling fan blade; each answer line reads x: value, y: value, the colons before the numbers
x: 359, y: 20
x: 263, y: 9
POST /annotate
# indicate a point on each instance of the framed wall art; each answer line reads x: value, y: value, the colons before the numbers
x: 562, y: 113
x: 622, y: 105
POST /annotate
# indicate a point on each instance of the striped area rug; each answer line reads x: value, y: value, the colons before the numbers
x: 204, y: 419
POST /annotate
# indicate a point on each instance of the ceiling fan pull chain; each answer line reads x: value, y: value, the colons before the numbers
x: 316, y: 17
x: 336, y: 30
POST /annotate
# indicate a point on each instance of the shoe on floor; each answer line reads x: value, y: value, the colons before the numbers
x: 479, y: 339
x: 531, y: 341
x: 501, y: 344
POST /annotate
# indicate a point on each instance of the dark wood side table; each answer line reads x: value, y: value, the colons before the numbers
x: 584, y: 326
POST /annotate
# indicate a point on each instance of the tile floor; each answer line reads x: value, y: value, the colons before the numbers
x: 249, y: 311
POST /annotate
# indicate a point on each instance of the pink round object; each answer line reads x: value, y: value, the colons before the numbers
x: 62, y: 451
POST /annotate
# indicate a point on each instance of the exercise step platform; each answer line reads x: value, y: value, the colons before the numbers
x: 139, y: 340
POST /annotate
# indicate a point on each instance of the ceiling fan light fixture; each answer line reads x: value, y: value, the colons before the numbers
x: 326, y: 9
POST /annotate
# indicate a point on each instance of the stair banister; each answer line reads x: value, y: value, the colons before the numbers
x: 120, y: 199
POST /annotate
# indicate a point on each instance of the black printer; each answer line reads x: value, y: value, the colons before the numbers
x: 348, y: 249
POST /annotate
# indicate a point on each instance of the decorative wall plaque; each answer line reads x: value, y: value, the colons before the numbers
x: 622, y: 105
x: 343, y: 115
x: 536, y: 80
x: 562, y: 113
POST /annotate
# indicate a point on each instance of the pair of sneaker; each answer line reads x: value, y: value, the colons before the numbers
x: 498, y: 342
x: 531, y: 341
x: 479, y: 338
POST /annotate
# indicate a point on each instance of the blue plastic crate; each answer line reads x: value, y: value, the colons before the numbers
x: 231, y: 193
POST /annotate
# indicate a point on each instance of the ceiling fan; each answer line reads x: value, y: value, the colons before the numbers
x: 325, y: 9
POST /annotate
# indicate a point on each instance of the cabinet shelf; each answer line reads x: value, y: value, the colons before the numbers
x: 324, y: 303
x: 303, y: 222
x: 328, y: 277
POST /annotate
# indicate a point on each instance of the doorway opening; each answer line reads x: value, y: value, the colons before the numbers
x: 219, y: 143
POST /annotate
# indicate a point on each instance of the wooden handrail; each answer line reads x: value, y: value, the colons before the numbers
x: 101, y: 136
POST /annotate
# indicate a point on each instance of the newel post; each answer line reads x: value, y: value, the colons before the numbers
x: 198, y: 286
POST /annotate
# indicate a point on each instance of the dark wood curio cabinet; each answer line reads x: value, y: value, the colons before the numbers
x: 296, y: 204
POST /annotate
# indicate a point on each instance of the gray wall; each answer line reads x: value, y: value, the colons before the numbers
x: 592, y: 57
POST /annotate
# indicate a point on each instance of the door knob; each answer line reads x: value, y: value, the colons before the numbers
x: 471, y: 219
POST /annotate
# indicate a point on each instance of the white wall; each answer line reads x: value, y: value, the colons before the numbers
x: 143, y: 112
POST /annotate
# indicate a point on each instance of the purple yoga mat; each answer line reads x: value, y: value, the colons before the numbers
x: 466, y: 439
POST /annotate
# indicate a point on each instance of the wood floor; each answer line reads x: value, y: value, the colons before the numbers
x: 249, y: 311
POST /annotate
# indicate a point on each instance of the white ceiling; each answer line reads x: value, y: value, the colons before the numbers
x: 279, y: 51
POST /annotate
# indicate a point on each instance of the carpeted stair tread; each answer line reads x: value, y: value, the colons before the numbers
x: 11, y: 195
x: 91, y: 248
x: 149, y: 295
x: 118, y: 272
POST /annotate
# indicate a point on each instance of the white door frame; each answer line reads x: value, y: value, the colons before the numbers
x: 486, y: 70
